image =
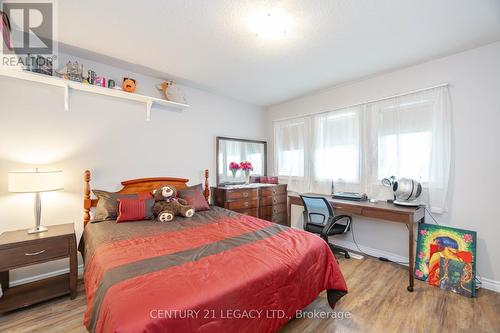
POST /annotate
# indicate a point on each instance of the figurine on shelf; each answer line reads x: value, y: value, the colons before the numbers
x: 171, y: 92
x: 44, y: 65
x: 100, y: 81
x: 91, y: 77
x: 72, y: 71
x: 128, y: 84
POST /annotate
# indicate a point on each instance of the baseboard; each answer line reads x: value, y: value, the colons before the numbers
x: 43, y: 276
x: 490, y: 284
x: 371, y: 251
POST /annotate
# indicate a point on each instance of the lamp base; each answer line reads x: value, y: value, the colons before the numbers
x: 411, y: 203
x: 37, y: 229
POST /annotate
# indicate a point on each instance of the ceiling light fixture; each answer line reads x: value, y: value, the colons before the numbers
x: 270, y: 24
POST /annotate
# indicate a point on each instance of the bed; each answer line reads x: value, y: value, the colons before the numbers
x: 218, y: 271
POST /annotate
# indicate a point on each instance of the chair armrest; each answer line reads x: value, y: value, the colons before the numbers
x: 331, y: 223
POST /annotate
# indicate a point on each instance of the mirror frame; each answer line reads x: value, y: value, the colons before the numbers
x: 219, y: 138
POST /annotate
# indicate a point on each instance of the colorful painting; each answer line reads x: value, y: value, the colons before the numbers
x: 457, y: 276
x: 446, y: 258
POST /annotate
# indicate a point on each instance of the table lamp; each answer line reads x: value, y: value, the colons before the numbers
x: 35, y: 182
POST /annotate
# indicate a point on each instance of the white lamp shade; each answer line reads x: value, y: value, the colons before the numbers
x: 35, y: 181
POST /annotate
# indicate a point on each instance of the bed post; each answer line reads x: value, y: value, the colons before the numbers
x: 86, y: 198
x: 206, y: 192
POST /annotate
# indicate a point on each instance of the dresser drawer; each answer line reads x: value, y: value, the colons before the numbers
x: 242, y: 194
x: 273, y: 190
x: 251, y: 212
x: 271, y: 210
x: 40, y: 251
x: 273, y: 200
x: 242, y: 204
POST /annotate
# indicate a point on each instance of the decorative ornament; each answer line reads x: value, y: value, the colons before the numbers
x: 171, y: 92
x: 128, y: 84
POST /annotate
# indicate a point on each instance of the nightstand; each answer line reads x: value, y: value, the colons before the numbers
x: 20, y: 249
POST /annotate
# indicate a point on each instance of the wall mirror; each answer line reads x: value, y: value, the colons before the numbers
x: 239, y: 150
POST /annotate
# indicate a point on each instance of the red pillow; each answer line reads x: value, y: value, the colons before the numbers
x: 135, y: 209
x: 194, y: 196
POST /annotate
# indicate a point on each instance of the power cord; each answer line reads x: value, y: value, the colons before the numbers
x: 366, y: 254
x: 430, y: 214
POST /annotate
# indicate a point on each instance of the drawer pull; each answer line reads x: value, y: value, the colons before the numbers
x: 34, y: 253
x: 245, y: 194
x: 245, y: 204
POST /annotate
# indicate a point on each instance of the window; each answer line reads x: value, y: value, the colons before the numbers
x: 290, y: 148
x: 337, y: 146
x: 404, y: 139
x: 406, y: 136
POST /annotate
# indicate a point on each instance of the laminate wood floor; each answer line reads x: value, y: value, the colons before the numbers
x: 377, y: 302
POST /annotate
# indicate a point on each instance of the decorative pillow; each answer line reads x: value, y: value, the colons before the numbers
x: 107, y: 206
x: 194, y: 196
x: 135, y: 209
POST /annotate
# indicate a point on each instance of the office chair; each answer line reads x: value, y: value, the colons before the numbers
x: 319, y: 218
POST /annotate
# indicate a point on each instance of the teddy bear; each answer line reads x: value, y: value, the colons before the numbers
x: 167, y: 205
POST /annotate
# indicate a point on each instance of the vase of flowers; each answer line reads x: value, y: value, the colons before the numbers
x: 234, y: 167
x: 246, y: 167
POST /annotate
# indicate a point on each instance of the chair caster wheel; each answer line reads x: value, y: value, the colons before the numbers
x: 409, y: 288
x: 347, y: 256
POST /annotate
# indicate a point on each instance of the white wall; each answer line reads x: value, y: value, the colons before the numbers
x: 474, y: 76
x: 111, y: 138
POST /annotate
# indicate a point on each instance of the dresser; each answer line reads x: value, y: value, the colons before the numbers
x: 268, y: 202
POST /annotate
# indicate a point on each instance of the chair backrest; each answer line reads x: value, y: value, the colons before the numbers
x: 317, y: 210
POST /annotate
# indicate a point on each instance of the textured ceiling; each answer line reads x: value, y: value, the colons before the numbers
x: 208, y: 42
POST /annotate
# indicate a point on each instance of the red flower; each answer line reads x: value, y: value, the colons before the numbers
x: 421, y: 255
x: 419, y: 273
x: 234, y: 166
x: 246, y: 166
x: 467, y: 238
x: 423, y: 232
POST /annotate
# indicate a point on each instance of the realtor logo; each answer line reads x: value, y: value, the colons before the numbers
x: 28, y: 27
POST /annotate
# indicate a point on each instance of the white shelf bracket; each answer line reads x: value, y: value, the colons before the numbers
x: 149, y: 104
x: 66, y: 97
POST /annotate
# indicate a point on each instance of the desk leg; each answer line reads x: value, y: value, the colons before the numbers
x: 289, y: 212
x: 411, y: 256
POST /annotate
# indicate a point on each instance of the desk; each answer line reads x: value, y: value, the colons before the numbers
x: 378, y: 210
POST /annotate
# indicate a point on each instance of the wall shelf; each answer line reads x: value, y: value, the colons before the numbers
x: 67, y: 85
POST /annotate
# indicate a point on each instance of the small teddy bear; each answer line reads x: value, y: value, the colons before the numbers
x: 167, y: 205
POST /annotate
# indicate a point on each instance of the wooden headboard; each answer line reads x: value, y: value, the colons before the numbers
x: 136, y: 186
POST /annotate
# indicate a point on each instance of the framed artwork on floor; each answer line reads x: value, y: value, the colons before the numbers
x: 446, y: 258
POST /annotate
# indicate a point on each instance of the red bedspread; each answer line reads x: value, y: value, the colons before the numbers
x: 221, y: 273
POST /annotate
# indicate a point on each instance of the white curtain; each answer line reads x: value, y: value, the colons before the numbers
x: 336, y: 150
x: 440, y: 166
x: 291, y: 139
x: 410, y: 136
x: 407, y: 136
